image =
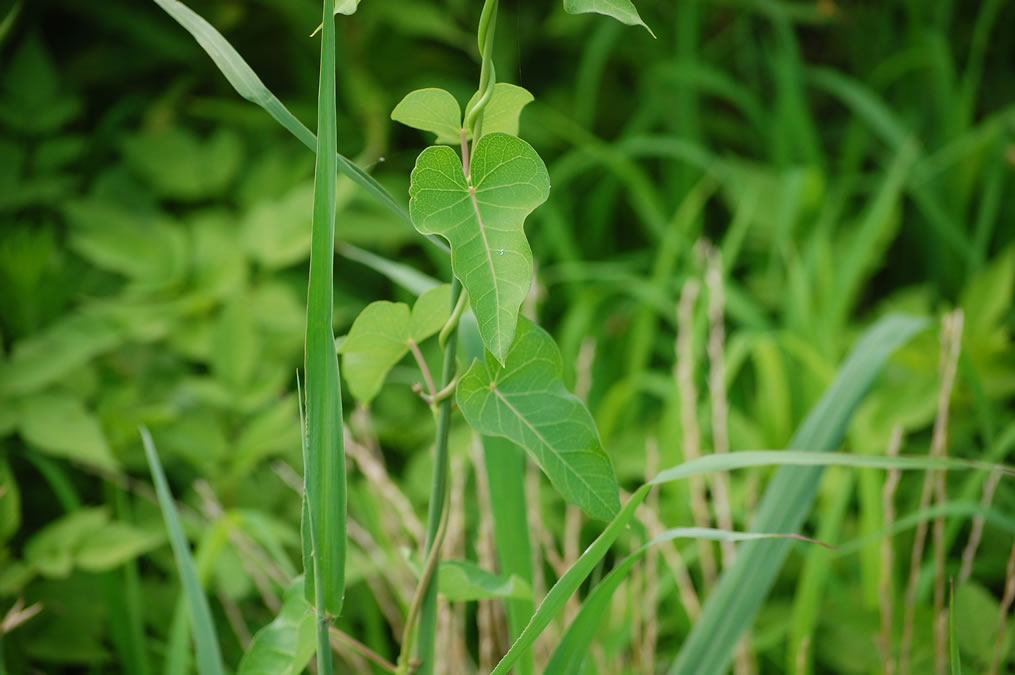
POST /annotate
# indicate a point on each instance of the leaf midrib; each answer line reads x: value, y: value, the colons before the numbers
x: 489, y: 256
x: 547, y: 444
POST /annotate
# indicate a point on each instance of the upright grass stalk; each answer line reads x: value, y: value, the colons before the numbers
x: 951, y: 348
x: 324, y: 470
x: 887, y: 555
x: 689, y: 421
x: 976, y: 531
x: 933, y: 483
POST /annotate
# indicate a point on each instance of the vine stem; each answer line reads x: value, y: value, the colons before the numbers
x: 426, y: 593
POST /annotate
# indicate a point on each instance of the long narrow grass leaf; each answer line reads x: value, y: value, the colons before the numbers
x: 325, y: 468
x: 209, y: 658
x: 573, y: 647
x: 731, y: 608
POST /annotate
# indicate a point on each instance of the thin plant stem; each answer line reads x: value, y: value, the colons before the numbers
x: 976, y: 532
x: 888, y: 555
x: 435, y: 515
x: 689, y: 421
x: 423, y: 368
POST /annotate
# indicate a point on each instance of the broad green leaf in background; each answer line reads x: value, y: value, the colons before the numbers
x: 623, y: 11
x: 178, y: 165
x: 248, y: 85
x: 49, y: 355
x: 526, y: 402
x: 51, y: 550
x: 59, y: 424
x: 285, y: 645
x: 788, y: 499
x: 140, y: 247
x: 114, y: 544
x: 464, y: 581
x: 431, y: 109
x: 209, y: 658
x: 380, y: 335
x: 482, y: 217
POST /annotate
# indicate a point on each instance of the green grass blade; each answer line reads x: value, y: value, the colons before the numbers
x: 573, y: 647
x: 248, y: 85
x: 742, y: 588
x: 209, y: 658
x: 569, y: 583
x: 324, y: 473
x: 405, y: 276
x: 505, y: 475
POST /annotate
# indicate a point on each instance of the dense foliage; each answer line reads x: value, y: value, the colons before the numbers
x: 738, y: 195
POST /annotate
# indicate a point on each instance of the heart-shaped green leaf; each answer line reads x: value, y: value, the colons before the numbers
x: 482, y: 218
x: 623, y: 11
x: 380, y: 335
x: 526, y: 402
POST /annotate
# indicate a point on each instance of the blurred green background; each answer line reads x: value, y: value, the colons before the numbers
x: 846, y: 158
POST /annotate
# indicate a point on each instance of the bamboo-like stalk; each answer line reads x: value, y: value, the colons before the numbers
x: 887, y: 555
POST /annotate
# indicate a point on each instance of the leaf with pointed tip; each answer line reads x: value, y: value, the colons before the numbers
x: 380, y: 335
x: 623, y: 11
x: 526, y: 402
x: 431, y: 109
x: 482, y: 219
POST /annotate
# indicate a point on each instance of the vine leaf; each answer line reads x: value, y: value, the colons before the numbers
x: 623, y: 11
x: 431, y: 109
x: 482, y: 218
x: 380, y: 335
x: 526, y: 402
x: 437, y: 111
